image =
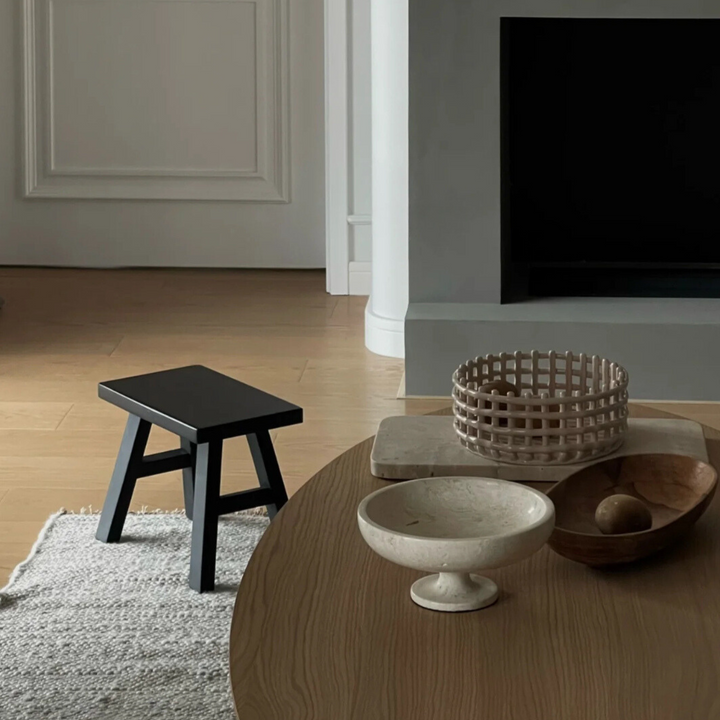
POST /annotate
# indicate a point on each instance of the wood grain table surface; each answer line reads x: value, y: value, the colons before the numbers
x: 324, y: 629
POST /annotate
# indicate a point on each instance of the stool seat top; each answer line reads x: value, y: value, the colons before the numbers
x: 200, y: 404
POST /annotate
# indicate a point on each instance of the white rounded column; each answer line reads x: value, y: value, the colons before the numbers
x: 385, y: 313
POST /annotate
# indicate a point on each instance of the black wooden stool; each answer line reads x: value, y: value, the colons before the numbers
x: 203, y: 408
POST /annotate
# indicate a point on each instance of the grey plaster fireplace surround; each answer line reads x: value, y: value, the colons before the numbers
x: 461, y: 275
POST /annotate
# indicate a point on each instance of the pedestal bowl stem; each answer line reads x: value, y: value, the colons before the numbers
x: 454, y: 592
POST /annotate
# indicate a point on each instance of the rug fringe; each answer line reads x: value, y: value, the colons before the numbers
x: 145, y: 510
x: 15, y: 574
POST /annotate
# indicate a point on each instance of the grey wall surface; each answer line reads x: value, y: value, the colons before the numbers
x: 669, y: 347
x: 455, y: 248
x: 454, y: 152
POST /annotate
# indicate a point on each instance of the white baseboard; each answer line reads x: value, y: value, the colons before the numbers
x: 359, y: 276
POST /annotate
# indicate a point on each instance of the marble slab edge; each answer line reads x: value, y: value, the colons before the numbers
x: 407, y: 448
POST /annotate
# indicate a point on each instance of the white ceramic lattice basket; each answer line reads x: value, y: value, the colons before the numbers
x: 570, y: 408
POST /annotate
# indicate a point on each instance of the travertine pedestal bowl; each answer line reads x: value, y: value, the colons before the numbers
x: 452, y: 527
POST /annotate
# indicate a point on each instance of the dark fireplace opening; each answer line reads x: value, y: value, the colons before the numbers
x: 610, y: 158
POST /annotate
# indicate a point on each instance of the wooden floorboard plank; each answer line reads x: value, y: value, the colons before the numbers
x: 62, y: 331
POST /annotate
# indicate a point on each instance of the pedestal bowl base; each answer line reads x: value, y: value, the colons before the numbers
x: 454, y: 592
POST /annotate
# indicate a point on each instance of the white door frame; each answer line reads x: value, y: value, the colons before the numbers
x: 347, y: 48
x: 337, y: 167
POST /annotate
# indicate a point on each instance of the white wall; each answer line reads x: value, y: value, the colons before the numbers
x: 386, y: 309
x: 137, y: 101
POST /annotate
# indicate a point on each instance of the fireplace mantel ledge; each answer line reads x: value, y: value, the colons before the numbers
x: 660, y: 311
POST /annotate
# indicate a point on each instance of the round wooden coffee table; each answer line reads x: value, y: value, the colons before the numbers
x: 324, y: 629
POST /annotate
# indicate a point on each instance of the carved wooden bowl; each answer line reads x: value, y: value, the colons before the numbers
x: 677, y: 489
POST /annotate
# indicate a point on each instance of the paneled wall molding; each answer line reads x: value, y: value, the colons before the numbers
x: 85, y: 138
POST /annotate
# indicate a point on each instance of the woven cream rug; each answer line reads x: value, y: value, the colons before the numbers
x: 90, y: 631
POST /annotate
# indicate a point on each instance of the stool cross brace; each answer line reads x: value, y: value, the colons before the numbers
x: 201, y: 468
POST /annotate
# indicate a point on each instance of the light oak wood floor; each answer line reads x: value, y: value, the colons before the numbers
x: 63, y: 331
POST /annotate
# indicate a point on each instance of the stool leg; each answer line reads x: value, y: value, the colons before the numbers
x: 188, y: 475
x: 267, y: 468
x: 205, y: 516
x: 122, y: 484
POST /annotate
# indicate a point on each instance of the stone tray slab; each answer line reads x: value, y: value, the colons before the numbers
x: 407, y: 448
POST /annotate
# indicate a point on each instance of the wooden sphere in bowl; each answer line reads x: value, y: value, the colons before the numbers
x: 675, y: 488
x: 620, y: 514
